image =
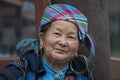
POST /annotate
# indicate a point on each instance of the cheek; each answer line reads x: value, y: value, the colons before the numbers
x: 74, y: 47
x: 48, y: 43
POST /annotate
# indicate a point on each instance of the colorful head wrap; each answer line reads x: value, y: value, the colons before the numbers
x: 66, y: 12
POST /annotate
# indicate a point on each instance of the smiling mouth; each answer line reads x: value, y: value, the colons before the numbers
x: 61, y: 51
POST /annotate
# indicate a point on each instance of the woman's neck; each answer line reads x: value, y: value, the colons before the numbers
x: 57, y: 65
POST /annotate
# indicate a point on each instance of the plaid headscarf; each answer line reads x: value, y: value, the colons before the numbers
x: 66, y: 12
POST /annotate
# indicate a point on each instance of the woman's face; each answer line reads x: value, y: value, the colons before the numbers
x: 60, y: 42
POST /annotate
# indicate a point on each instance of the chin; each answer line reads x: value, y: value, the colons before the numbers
x: 61, y: 59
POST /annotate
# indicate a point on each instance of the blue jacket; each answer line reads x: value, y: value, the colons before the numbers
x: 50, y: 74
x: 32, y: 67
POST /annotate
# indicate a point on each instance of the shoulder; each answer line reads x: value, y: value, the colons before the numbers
x: 11, y: 71
x: 24, y: 68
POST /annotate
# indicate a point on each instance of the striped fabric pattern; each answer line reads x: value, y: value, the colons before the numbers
x: 65, y: 12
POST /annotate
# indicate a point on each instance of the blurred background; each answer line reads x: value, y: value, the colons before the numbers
x: 17, y: 21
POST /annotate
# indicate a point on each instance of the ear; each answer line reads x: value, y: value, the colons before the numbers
x: 41, y: 35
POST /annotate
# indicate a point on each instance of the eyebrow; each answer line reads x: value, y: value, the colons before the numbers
x: 55, y: 28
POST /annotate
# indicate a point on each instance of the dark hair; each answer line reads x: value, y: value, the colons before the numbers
x: 45, y: 27
x: 84, y: 48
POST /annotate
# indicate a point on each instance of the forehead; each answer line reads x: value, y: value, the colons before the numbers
x: 64, y: 25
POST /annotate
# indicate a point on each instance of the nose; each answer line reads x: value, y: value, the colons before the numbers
x: 62, y: 42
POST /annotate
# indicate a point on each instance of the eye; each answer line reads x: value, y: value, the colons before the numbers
x: 57, y: 34
x: 71, y: 37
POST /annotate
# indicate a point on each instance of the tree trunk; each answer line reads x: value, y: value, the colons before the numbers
x: 97, y: 14
x: 39, y: 8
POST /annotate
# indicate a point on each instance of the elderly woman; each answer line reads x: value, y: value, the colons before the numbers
x: 63, y: 29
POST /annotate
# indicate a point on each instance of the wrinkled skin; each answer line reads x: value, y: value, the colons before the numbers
x: 60, y: 43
